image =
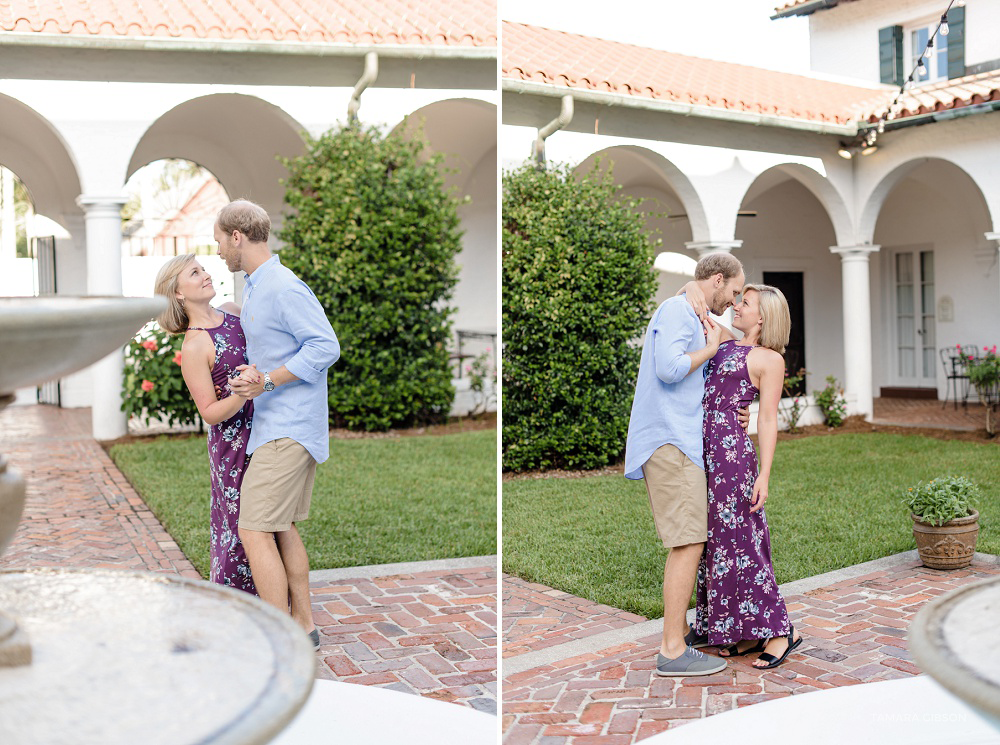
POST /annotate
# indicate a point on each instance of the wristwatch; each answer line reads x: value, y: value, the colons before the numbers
x: 268, y: 383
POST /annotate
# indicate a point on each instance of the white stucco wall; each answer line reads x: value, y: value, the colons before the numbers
x: 844, y: 39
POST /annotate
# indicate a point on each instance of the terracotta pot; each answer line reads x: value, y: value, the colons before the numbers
x: 948, y: 546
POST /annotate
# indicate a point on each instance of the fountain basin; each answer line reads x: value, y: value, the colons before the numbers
x: 44, y: 338
x: 128, y: 657
x: 954, y: 640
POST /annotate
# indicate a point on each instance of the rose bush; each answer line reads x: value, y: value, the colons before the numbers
x: 154, y: 387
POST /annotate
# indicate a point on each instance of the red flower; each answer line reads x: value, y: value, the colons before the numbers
x: 150, y: 345
x: 177, y: 358
x: 147, y: 385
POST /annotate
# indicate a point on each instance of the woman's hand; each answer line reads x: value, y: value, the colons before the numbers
x: 696, y: 298
x: 759, y: 493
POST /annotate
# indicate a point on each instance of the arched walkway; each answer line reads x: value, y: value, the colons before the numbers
x: 464, y: 131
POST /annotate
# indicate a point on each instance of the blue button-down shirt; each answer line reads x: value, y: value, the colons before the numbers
x: 667, y: 404
x: 285, y: 325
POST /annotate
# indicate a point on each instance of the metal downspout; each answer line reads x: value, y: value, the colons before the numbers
x: 367, y: 78
x: 564, y: 118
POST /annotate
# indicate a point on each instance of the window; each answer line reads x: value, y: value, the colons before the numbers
x: 935, y: 66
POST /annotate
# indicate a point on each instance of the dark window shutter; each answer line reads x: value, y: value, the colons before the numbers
x: 956, y: 43
x: 890, y: 54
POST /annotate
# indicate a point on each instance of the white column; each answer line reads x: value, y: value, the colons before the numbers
x: 703, y: 249
x: 993, y: 237
x: 854, y: 262
x: 103, y: 221
x: 8, y: 222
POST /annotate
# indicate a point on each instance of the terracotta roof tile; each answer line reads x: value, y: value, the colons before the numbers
x: 948, y: 94
x: 427, y: 22
x: 574, y: 61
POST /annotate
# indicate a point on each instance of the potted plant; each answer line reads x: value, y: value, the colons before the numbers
x: 945, y: 523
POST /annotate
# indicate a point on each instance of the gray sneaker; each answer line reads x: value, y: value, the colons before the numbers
x: 691, y: 663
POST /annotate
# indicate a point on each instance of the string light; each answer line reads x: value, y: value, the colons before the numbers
x: 864, y: 143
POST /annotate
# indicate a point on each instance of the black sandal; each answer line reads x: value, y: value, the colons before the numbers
x: 775, y: 661
x: 733, y: 650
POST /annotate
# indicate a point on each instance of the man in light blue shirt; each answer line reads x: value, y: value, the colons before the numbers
x: 290, y: 345
x: 664, y: 447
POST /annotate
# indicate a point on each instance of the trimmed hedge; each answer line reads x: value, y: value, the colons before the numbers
x: 578, y: 284
x: 375, y: 235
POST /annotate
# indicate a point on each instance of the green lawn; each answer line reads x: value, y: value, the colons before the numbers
x: 834, y: 502
x: 375, y: 501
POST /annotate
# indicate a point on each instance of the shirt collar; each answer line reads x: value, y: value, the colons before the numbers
x: 261, y: 271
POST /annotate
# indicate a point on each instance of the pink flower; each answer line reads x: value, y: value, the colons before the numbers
x: 971, y: 358
x: 177, y: 358
x: 147, y: 385
x: 150, y: 345
x: 958, y: 346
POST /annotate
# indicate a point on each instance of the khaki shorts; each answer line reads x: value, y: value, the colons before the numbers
x: 678, y: 496
x: 277, y: 487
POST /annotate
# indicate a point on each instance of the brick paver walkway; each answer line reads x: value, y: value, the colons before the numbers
x: 854, y: 631
x: 427, y: 632
x: 927, y: 413
x: 536, y: 617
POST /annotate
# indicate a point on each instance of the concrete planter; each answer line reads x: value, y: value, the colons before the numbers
x: 948, y: 546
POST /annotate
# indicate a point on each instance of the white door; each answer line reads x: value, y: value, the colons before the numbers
x: 915, y: 363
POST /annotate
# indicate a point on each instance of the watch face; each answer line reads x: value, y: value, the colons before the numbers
x: 269, y: 386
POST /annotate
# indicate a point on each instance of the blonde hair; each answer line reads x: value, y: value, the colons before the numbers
x: 174, y: 319
x: 247, y: 217
x: 777, y: 321
x: 718, y: 263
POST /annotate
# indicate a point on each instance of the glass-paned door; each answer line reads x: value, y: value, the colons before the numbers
x: 915, y: 323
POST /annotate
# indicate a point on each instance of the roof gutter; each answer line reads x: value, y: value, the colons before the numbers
x: 805, y: 9
x: 934, y: 116
x: 290, y: 48
x: 671, y: 107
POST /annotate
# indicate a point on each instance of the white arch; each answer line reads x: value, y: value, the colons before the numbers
x: 237, y: 137
x: 672, y: 177
x: 874, y: 201
x: 462, y: 129
x: 819, y: 186
x: 32, y: 148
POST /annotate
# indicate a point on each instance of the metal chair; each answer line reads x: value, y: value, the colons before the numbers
x: 954, y: 360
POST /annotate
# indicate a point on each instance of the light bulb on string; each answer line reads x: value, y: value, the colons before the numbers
x: 881, y: 126
x: 929, y: 50
x: 943, y: 29
x: 921, y: 68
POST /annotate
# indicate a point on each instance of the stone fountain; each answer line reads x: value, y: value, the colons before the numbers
x: 955, y: 641
x: 106, y: 656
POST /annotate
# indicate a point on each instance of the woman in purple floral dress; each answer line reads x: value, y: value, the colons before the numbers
x: 213, y: 347
x: 739, y: 606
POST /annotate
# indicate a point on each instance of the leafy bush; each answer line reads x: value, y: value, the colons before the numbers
x: 375, y: 235
x: 943, y: 499
x: 577, y: 293
x: 793, y: 411
x: 831, y: 401
x: 984, y: 374
x: 154, y: 387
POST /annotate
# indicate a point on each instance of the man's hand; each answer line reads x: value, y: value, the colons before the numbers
x: 759, y: 494
x: 743, y: 417
x: 696, y: 298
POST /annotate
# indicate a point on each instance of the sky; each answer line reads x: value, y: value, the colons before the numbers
x: 729, y: 30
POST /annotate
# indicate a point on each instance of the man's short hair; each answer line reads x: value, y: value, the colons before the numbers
x: 247, y: 217
x: 718, y: 263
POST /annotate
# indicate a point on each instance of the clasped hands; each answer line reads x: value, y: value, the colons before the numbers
x: 249, y: 383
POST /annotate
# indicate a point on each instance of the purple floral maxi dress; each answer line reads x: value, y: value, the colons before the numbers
x: 227, y: 455
x: 737, y: 596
